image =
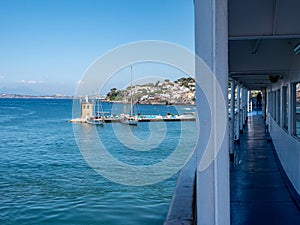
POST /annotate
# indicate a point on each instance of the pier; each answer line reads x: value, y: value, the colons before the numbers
x: 88, y: 112
x: 116, y: 119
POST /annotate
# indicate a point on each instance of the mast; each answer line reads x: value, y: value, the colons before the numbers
x: 98, y: 103
x: 124, y: 102
x: 130, y: 90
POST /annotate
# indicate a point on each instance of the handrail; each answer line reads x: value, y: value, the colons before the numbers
x: 183, y: 205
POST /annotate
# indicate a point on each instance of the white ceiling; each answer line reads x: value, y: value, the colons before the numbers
x: 262, y: 36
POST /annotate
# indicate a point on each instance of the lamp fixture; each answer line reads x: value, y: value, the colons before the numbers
x: 275, y: 78
x: 297, y: 49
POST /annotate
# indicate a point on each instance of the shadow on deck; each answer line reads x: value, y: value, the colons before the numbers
x: 259, y: 194
x: 258, y: 191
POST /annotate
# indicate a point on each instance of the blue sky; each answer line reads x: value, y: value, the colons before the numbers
x: 47, y: 45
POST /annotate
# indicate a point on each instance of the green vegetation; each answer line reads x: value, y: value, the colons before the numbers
x: 115, y: 95
x: 163, y: 92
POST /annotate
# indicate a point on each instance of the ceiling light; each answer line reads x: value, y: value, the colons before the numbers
x: 297, y: 49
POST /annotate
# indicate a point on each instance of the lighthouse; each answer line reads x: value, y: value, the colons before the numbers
x: 86, y: 109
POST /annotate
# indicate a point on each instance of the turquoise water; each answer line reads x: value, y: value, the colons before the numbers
x: 45, y: 179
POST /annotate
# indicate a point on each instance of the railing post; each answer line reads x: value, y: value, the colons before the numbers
x: 245, y: 107
x: 241, y: 109
x: 237, y: 127
x: 213, y: 188
x: 249, y: 102
x: 264, y: 105
x: 232, y: 118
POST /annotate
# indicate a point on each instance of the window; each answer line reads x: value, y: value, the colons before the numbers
x: 274, y: 105
x: 278, y: 106
x: 270, y: 104
x: 297, y: 110
x: 285, y: 107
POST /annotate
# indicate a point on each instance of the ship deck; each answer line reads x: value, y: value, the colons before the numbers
x: 259, y: 194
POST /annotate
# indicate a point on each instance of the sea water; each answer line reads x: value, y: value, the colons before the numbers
x: 44, y: 178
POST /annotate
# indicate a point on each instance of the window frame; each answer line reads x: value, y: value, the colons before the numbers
x: 271, y: 104
x: 278, y: 105
x: 274, y: 106
x: 294, y: 112
x: 285, y: 107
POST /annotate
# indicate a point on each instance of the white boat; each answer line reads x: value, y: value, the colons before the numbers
x: 129, y: 120
x: 95, y: 121
x: 125, y: 118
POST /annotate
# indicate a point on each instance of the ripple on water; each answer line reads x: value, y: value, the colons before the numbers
x: 45, y: 180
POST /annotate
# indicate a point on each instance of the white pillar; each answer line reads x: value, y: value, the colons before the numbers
x: 291, y: 113
x: 238, y: 115
x: 232, y: 117
x: 249, y: 103
x: 264, y: 103
x: 211, y: 24
x: 241, y: 109
x: 245, y: 106
x: 267, y: 106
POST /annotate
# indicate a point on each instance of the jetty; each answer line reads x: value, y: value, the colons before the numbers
x: 140, y: 119
x: 87, y: 113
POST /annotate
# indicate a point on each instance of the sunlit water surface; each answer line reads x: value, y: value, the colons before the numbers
x: 45, y: 180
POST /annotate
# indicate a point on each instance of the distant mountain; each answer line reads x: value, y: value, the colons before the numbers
x: 21, y: 90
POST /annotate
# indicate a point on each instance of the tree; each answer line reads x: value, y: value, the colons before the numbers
x: 113, y: 94
x: 113, y: 89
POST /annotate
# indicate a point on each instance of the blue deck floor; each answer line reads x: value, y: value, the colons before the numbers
x: 258, y: 192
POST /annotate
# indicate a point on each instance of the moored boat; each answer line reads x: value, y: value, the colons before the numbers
x: 129, y: 120
x: 95, y: 121
x: 125, y: 118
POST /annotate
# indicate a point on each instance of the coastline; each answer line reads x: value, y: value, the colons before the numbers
x: 19, y: 96
x: 55, y: 97
x: 153, y: 103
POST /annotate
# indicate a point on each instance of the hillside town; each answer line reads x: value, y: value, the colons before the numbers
x: 181, y: 91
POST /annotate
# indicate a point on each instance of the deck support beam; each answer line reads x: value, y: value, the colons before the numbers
x: 241, y: 109
x: 238, y: 115
x: 232, y: 118
x: 245, y: 105
x: 211, y: 29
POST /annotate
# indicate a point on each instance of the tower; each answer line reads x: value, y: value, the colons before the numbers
x: 86, y: 109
